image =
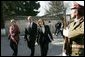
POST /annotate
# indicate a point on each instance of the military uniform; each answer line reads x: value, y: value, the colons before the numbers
x: 76, y: 36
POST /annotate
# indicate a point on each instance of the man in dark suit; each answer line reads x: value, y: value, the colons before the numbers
x: 30, y: 34
x: 44, y: 37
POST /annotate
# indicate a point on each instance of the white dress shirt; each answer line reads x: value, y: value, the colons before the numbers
x: 29, y: 24
x: 43, y: 29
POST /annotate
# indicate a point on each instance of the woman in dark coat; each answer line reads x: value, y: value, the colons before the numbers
x: 44, y: 37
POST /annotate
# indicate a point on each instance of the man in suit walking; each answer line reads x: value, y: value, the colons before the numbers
x: 30, y: 34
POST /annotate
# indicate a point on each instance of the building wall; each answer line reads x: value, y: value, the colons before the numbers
x: 22, y: 23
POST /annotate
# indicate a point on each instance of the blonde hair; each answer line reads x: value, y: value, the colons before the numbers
x: 12, y: 20
x: 39, y: 21
x: 29, y: 17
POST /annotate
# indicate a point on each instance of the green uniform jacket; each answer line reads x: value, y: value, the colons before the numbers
x: 76, y: 34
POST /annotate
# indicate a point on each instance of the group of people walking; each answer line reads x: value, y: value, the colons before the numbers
x: 40, y: 32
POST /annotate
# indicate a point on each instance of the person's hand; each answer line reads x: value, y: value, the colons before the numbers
x: 65, y: 32
x: 52, y: 39
x: 14, y: 40
x: 16, y: 43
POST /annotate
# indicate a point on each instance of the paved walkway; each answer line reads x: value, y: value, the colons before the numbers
x: 55, y: 48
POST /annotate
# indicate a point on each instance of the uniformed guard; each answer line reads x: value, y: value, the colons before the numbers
x: 75, y: 31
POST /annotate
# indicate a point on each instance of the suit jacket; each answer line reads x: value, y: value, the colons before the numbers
x: 31, y: 32
x: 44, y: 37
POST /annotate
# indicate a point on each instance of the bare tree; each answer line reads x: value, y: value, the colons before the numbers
x: 56, y: 8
